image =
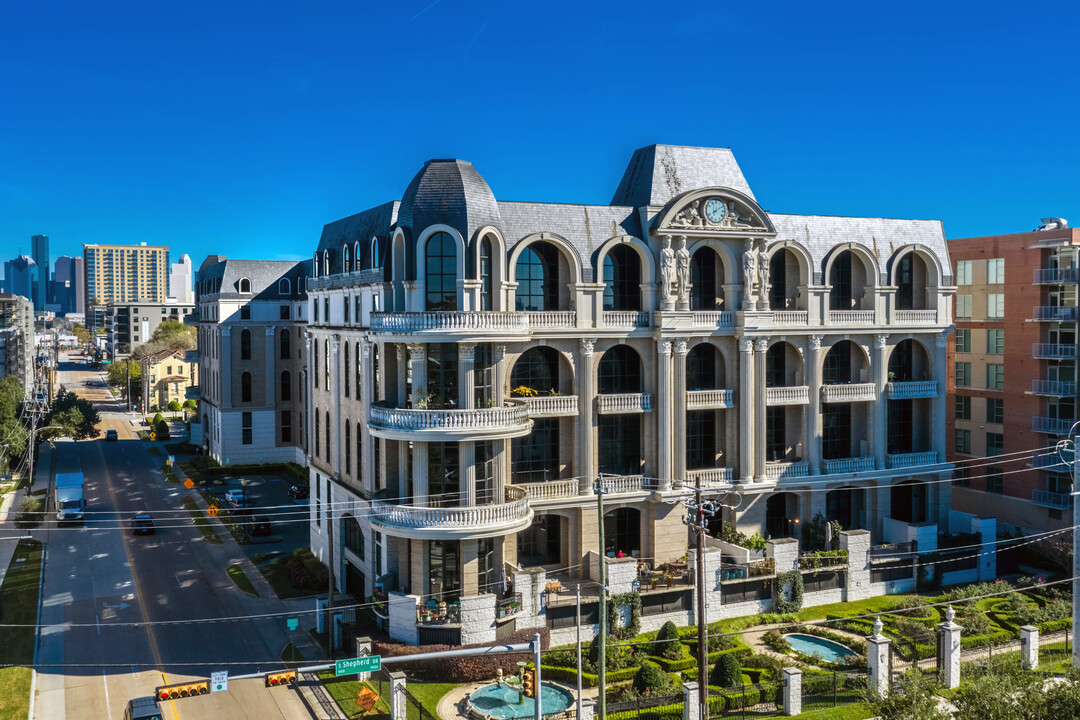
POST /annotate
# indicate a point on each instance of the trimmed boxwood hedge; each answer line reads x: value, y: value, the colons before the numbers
x: 569, y: 675
x: 1053, y: 626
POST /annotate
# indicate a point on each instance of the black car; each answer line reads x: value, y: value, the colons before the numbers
x: 142, y: 525
x: 259, y: 525
x: 298, y: 492
x: 111, y: 436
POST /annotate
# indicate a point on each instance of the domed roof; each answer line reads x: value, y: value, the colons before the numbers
x: 448, y: 192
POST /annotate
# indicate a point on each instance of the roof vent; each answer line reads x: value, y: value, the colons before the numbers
x: 1052, y: 224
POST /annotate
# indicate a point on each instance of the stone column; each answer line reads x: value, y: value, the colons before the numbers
x: 498, y: 356
x: 761, y: 346
x: 949, y: 663
x: 881, y: 404
x: 691, y: 701
x: 397, y: 695
x: 857, y: 543
x: 812, y: 434
x: 226, y: 367
x: 746, y: 409
x: 664, y: 419
x: 937, y: 405
x: 271, y: 384
x: 466, y: 379
x: 586, y: 397
x: 418, y: 365
x: 1029, y: 647
x: 363, y: 649
x: 792, y: 691
x: 680, y: 410
x: 877, y: 649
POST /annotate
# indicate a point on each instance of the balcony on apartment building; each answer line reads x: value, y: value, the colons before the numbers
x: 711, y: 477
x: 1053, y: 388
x: 620, y: 403
x: 895, y: 461
x: 710, y: 399
x: 841, y: 466
x: 792, y: 395
x: 1051, y: 461
x: 628, y: 319
x: 852, y: 317
x: 714, y: 318
x: 440, y: 322
x: 1055, y: 500
x: 552, y: 406
x: 912, y: 390
x: 1053, y: 351
x: 442, y: 523
x: 1056, y: 276
x: 510, y: 421
x: 849, y: 392
x: 1054, y: 313
x: 1051, y: 426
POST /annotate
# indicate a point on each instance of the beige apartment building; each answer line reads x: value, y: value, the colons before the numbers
x: 125, y: 274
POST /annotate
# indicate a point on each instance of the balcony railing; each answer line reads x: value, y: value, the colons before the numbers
x: 851, y: 317
x: 1051, y: 426
x: 552, y: 320
x: 1053, y: 388
x: 787, y: 318
x: 1051, y: 499
x: 784, y: 470
x: 448, y: 321
x: 410, y: 419
x: 716, y: 318
x: 710, y: 399
x: 1056, y: 276
x: 849, y: 392
x: 626, y: 318
x: 508, y: 606
x: 513, y: 512
x: 912, y: 459
x: 792, y: 395
x: 847, y: 465
x: 712, y: 477
x: 1054, y: 313
x: 766, y: 567
x: 915, y: 317
x: 627, y: 483
x: 552, y: 490
x: 912, y: 389
x: 1050, y: 461
x: 552, y: 406
x: 625, y: 403
x: 1053, y: 351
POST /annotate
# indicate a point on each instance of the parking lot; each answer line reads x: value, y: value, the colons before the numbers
x: 268, y: 496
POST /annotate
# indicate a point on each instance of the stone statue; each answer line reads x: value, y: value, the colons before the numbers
x: 682, y: 260
x: 763, y: 269
x: 749, y: 270
x: 667, y: 269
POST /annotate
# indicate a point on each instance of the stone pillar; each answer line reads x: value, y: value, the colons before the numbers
x: 746, y: 409
x: 402, y: 376
x: 1029, y: 647
x: 418, y: 364
x: 691, y: 701
x: 587, y: 465
x: 588, y: 709
x: 812, y: 433
x: 857, y: 543
x: 761, y: 346
x: 881, y: 404
x: 792, y: 691
x: 664, y: 420
x: 949, y: 664
x: 877, y: 656
x: 498, y: 356
x: 680, y: 410
x: 363, y: 648
x: 269, y: 400
x: 466, y: 379
x: 397, y: 696
x: 784, y: 552
x: 937, y: 405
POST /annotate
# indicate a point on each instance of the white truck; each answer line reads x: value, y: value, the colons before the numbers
x: 70, y: 502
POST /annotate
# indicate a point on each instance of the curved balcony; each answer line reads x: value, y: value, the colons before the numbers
x: 849, y: 392
x: 441, y: 523
x: 912, y: 390
x: 509, y: 421
x: 710, y: 399
x: 625, y: 403
x: 793, y: 395
x: 552, y: 489
x: 487, y: 323
x: 552, y: 406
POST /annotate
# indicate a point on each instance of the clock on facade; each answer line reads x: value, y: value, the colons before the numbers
x: 715, y: 210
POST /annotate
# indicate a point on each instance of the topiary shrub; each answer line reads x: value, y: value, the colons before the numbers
x: 651, y: 680
x: 162, y: 430
x: 667, y: 641
x: 726, y: 672
x: 157, y: 418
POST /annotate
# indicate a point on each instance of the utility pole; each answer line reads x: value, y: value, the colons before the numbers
x: 602, y: 659
x: 1076, y: 544
x: 579, y: 650
x: 538, y: 710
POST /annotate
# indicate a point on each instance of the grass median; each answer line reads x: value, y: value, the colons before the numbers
x: 201, y: 521
x: 241, y: 579
x: 18, y: 606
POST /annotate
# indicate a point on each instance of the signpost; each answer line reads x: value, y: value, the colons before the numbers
x: 371, y: 663
x: 219, y: 681
x: 292, y: 623
x: 212, y: 511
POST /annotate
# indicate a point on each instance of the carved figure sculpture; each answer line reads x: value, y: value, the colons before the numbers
x: 763, y: 269
x: 749, y: 263
x: 682, y: 259
x: 667, y: 269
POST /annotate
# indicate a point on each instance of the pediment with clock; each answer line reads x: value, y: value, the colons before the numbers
x: 715, y: 211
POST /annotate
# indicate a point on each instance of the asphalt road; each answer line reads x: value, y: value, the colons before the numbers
x: 99, y: 575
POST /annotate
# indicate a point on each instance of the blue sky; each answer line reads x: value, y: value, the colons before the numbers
x: 242, y: 127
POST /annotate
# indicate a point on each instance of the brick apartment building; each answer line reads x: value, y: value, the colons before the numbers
x: 1012, y: 373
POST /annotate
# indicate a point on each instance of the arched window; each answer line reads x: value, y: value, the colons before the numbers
x: 286, y: 386
x: 359, y: 452
x: 537, y: 275
x: 345, y: 259
x: 348, y: 447
x: 357, y: 256
x: 318, y: 444
x: 622, y: 279
x: 440, y: 272
x: 536, y: 369
x: 245, y: 345
x: 326, y: 262
x: 485, y: 273
x: 374, y: 260
x: 245, y: 387
x: 706, y: 281
x: 315, y: 265
x: 245, y: 286
x: 620, y: 371
x: 284, y: 287
x: 286, y: 346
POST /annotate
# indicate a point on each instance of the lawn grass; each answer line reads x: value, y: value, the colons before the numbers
x: 19, y: 600
x: 201, y: 520
x: 345, y: 689
x: 241, y: 579
x: 844, y: 712
x: 170, y: 476
x: 882, y: 603
x: 15, y: 700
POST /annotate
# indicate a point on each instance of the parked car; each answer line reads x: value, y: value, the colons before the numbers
x: 111, y: 436
x: 237, y: 499
x: 142, y: 524
x: 259, y: 525
x: 298, y: 492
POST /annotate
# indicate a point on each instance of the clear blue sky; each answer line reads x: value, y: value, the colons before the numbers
x: 241, y: 127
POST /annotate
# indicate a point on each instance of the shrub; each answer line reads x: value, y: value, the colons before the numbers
x: 472, y: 668
x: 162, y: 430
x: 651, y: 680
x: 668, y: 643
x: 157, y: 419
x: 775, y: 640
x: 726, y: 672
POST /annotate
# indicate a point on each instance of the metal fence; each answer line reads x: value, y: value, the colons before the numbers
x: 833, y: 689
x: 414, y: 709
x: 667, y: 707
x: 743, y: 701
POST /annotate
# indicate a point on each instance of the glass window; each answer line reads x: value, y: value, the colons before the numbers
x: 245, y: 312
x: 995, y: 342
x: 995, y: 376
x: 539, y: 544
x: 317, y: 443
x: 537, y: 369
x: 963, y: 374
x: 995, y: 305
x: 963, y: 340
x: 905, y: 283
x: 535, y: 457
x: 620, y: 371
x: 963, y: 407
x: 701, y: 437
x: 286, y: 350
x: 622, y: 279
x: 485, y: 273
x: 315, y: 359
x: 619, y: 444
x: 963, y: 272
x: 963, y: 306
x: 359, y: 453
x: 962, y: 441
x: 995, y: 480
x: 245, y: 345
x: 440, y: 272
x: 286, y: 426
x: 345, y: 358
x: 962, y: 476
x: 994, y: 444
x: 283, y: 312
x: 486, y: 575
x: 536, y: 274
x: 444, y: 570
x: 995, y: 410
x: 995, y: 271
x: 327, y: 436
x: 245, y: 387
x: 346, y: 305
x: 348, y: 447
x: 354, y: 536
x: 704, y: 269
x: 245, y: 427
x: 442, y: 376
x: 444, y: 475
x: 286, y: 386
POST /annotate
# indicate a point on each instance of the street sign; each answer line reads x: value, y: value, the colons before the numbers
x: 371, y: 663
x: 169, y: 460
x: 292, y: 623
x: 153, y: 436
x: 212, y: 511
x: 189, y: 484
x: 219, y: 681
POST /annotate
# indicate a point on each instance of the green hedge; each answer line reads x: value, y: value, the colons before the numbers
x: 570, y: 675
x: 995, y: 638
x: 675, y: 665
x: 1053, y: 626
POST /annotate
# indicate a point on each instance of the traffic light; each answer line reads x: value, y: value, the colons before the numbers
x: 530, y: 683
x: 182, y: 690
x: 282, y: 678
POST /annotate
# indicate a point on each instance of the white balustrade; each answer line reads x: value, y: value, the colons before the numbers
x: 794, y: 395
x: 847, y: 465
x: 553, y: 406
x: 626, y: 403
x: 712, y: 477
x: 423, y: 419
x: 514, y: 510
x: 552, y: 320
x: 450, y: 321
x: 851, y: 317
x: 782, y: 470
x: 787, y: 318
x: 912, y: 389
x: 551, y: 490
x: 905, y: 460
x: 626, y: 318
x: 915, y: 317
x: 849, y: 392
x: 626, y: 483
x: 710, y: 399
x: 714, y: 318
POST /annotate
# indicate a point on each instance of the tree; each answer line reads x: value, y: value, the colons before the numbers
x: 13, y: 433
x: 1006, y: 692
x: 162, y: 430
x: 815, y: 534
x: 81, y: 334
x: 915, y: 700
x: 170, y: 335
x: 73, y: 417
x: 174, y: 406
x: 726, y: 672
x: 190, y: 406
x: 133, y: 378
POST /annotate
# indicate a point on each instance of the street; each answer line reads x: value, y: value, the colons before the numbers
x: 99, y: 575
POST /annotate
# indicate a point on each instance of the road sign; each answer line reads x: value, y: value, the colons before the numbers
x: 371, y: 663
x: 292, y: 623
x: 169, y: 460
x: 219, y: 681
x: 212, y: 511
x: 153, y: 436
x: 189, y: 484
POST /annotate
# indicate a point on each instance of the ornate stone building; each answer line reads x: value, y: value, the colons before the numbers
x: 479, y: 367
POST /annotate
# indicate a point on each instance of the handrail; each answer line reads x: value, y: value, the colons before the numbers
x: 447, y: 320
x: 625, y: 403
x: 911, y: 389
x: 423, y: 419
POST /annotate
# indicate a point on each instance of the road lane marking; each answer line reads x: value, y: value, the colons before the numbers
x: 105, y: 681
x: 97, y: 621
